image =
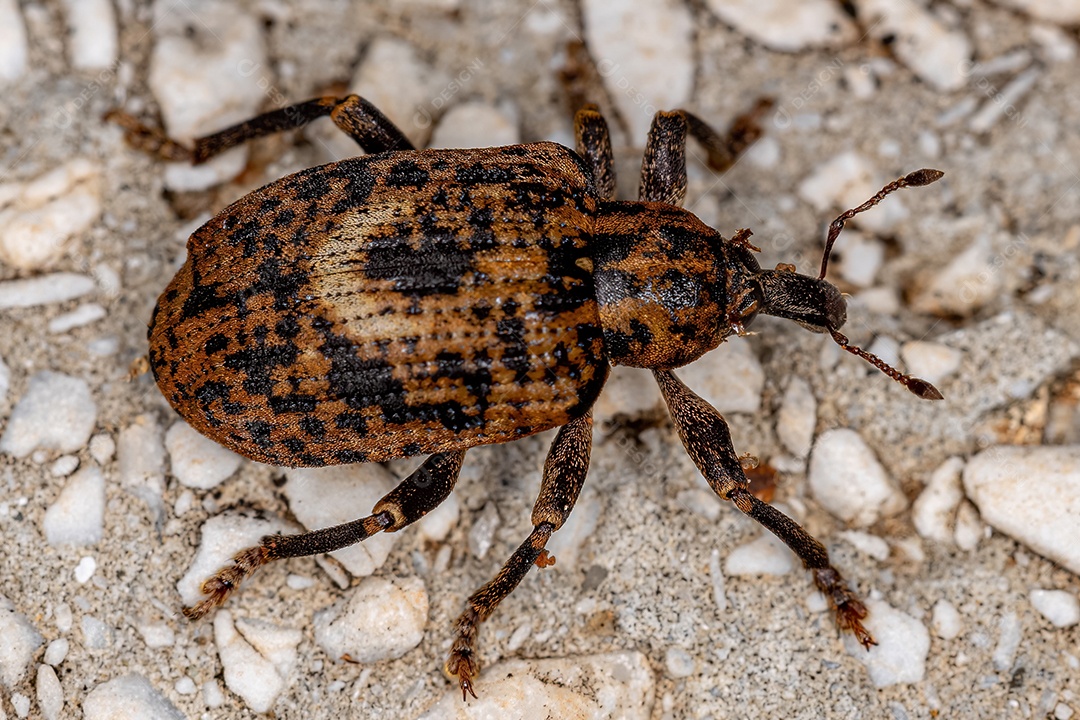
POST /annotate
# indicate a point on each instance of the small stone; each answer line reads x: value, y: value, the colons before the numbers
x: 1011, y: 632
x: 716, y: 576
x: 862, y: 259
x: 629, y: 391
x: 207, y: 71
x: 21, y: 703
x: 846, y: 181
x: 1061, y: 608
x: 212, y: 694
x: 475, y: 124
x: 36, y: 224
x: 797, y: 418
x: 903, y: 645
x: 629, y: 41
x: 867, y: 544
x: 56, y: 651
x: 92, y: 34
x: 130, y: 697
x: 1062, y: 12
x: 85, y: 570
x: 64, y: 466
x: 964, y: 284
x: 324, y: 497
x: 96, y: 634
x: 56, y: 413
x: 482, y: 532
x: 518, y: 637
x: 21, y: 641
x: 787, y: 27
x: 933, y: 511
x: 1004, y: 102
x: 766, y: 555
x: 140, y: 459
x: 78, y: 515
x: 64, y: 618
x: 930, y: 361
x: 1045, y: 518
x: 186, y: 686
x: 946, y: 620
x: 413, y: 93
x: 1056, y: 45
x: 102, y: 448
x: 79, y: 317
x: 197, y: 461
x: 849, y: 482
x: 257, y: 658
x: 566, y: 545
x: 729, y: 378
x: 222, y: 537
x: 1062, y: 712
x: 679, y: 663
x: 969, y: 528
x: 14, y: 49
x: 436, y: 525
x: 614, y: 685
x: 156, y: 635
x: 936, y: 54
x: 50, y: 695
x: 299, y: 582
x: 44, y: 290
x: 380, y: 619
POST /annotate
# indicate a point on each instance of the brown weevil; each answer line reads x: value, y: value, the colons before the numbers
x: 413, y: 302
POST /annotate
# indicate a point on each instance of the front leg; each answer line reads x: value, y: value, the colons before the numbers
x: 706, y: 438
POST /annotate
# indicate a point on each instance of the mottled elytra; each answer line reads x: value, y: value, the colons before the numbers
x: 422, y: 302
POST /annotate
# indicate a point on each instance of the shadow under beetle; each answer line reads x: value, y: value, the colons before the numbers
x: 422, y: 302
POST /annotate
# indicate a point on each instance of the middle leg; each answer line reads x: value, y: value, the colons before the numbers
x: 564, y: 473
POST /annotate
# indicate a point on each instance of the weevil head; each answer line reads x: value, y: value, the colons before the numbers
x: 817, y: 305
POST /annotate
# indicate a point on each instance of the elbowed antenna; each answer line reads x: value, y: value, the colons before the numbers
x: 922, y: 388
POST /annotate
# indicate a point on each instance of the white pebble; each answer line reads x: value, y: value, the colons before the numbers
x: 380, y: 619
x: 969, y: 528
x: 933, y: 511
x: 21, y: 703
x: 436, y: 525
x: 629, y: 41
x: 324, y: 497
x: 1003, y: 103
x: 730, y: 378
x: 50, y: 695
x: 36, y: 224
x: 96, y: 634
x: 566, y: 545
x: 85, y: 569
x: 903, y: 645
x: 1061, y: 608
x: 102, y: 447
x: 14, y: 48
x: 847, y: 480
x: 21, y: 641
x: 140, y: 459
x: 56, y: 413
x: 1055, y: 44
x: 936, y: 54
x: 212, y: 694
x: 766, y: 555
x: 862, y: 259
x: 614, y: 685
x: 816, y: 602
x: 56, y: 651
x: 197, y: 461
x: 1041, y: 514
x: 64, y: 617
x: 797, y: 418
x: 716, y: 576
x: 482, y: 532
x: 206, y: 81
x: 964, y: 284
x: 156, y: 635
x: 64, y: 466
x: 92, y: 34
x: 1010, y: 633
x: 930, y: 361
x: 869, y: 545
x: 518, y: 637
x: 679, y: 663
x: 130, y: 697
x: 185, y: 686
x: 848, y: 180
x: 945, y: 620
x: 785, y: 26
x: 475, y: 124
x: 257, y: 658
x: 1062, y: 712
x: 185, y: 501
x: 222, y: 537
x: 77, y: 517
x: 299, y: 582
x: 628, y: 391
x: 1063, y: 12
x: 80, y: 316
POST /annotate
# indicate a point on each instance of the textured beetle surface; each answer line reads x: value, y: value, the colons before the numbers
x: 388, y: 305
x: 414, y: 302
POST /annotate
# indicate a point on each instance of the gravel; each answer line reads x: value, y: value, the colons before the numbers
x: 380, y: 618
x: 128, y: 697
x: 849, y: 482
x: 899, y: 658
x: 57, y: 413
x: 1060, y: 607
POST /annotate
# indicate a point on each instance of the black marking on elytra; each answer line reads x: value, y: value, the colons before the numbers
x: 679, y: 291
x: 216, y: 343
x: 287, y: 327
x: 406, y: 173
x: 351, y: 421
x: 515, y: 352
x: 294, y: 445
x: 259, y: 432
x: 284, y: 218
x: 313, y: 427
x: 360, y: 383
x: 258, y: 363
x: 438, y: 266
x: 294, y: 403
x: 479, y: 173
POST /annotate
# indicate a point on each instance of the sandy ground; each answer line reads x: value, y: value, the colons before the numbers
x: 641, y: 581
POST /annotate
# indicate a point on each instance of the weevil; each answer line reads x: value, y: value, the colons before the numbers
x: 422, y: 302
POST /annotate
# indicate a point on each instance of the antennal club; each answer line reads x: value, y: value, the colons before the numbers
x: 915, y: 179
x: 921, y: 388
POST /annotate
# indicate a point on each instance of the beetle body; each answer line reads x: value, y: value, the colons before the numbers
x: 426, y: 301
